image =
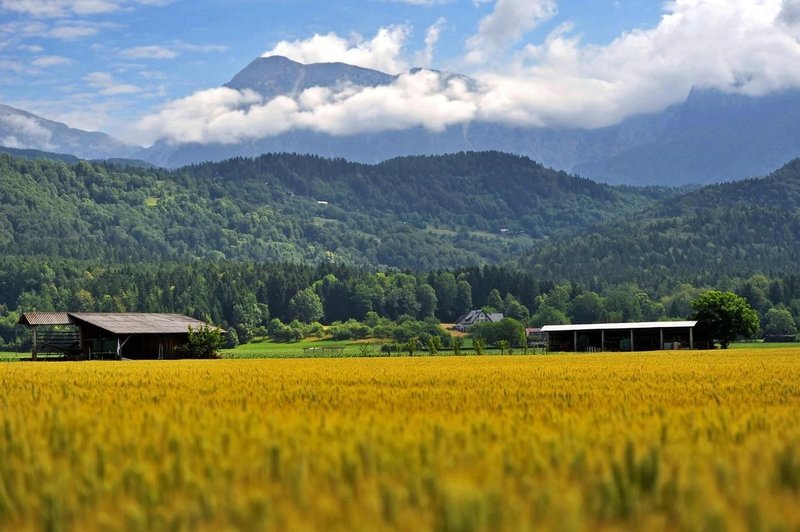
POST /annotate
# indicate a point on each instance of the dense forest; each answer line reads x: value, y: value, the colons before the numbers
x: 420, y: 213
x: 702, y: 237
x: 249, y: 242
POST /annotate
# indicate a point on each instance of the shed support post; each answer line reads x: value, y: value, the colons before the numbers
x: 34, y: 347
x: 575, y: 341
x: 661, y: 336
x: 602, y: 340
x: 691, y: 338
x: 632, y: 340
x: 120, y: 346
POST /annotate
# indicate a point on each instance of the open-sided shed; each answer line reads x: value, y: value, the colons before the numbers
x: 641, y: 336
x: 108, y: 334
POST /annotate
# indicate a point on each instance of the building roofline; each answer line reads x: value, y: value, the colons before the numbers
x: 619, y: 326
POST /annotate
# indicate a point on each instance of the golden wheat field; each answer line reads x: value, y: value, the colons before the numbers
x: 664, y: 441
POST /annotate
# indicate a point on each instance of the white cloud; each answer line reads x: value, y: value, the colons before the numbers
x: 47, y: 61
x: 63, y: 8
x: 106, y: 85
x: 738, y: 46
x: 32, y: 48
x: 170, y: 51
x: 509, y: 21
x: 224, y: 115
x: 432, y: 36
x: 424, y: 2
x: 383, y: 52
x: 24, y: 131
x: 149, y: 52
x: 17, y: 67
x: 61, y: 30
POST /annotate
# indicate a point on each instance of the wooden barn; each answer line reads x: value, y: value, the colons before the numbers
x: 643, y: 336
x: 98, y: 335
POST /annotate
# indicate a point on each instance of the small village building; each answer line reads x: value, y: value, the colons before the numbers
x: 644, y: 336
x: 97, y: 335
x: 465, y: 323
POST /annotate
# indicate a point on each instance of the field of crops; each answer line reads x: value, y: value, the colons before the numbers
x: 696, y: 441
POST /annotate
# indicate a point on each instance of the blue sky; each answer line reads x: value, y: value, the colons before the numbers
x: 127, y: 66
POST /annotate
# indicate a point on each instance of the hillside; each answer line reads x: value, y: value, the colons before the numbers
x: 419, y: 213
x: 719, y: 231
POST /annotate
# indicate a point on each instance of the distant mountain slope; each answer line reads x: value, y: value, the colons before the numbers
x: 22, y: 130
x: 717, y: 231
x: 711, y: 137
x: 418, y: 212
x: 38, y: 154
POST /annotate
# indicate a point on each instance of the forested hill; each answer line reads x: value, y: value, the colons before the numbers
x: 417, y: 212
x: 486, y: 191
x: 704, y: 236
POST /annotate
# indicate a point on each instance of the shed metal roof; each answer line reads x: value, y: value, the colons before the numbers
x: 619, y: 326
x: 44, y: 318
x: 133, y: 323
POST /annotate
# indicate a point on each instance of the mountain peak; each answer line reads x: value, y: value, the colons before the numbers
x: 276, y: 75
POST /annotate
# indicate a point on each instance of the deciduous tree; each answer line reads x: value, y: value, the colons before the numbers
x: 724, y: 316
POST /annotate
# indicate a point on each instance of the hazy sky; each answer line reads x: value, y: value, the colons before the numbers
x: 148, y: 69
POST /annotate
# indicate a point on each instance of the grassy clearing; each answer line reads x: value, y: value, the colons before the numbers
x: 308, y: 348
x: 764, y: 345
x: 319, y: 348
x: 656, y: 441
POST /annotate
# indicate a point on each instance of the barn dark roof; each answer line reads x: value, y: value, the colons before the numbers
x: 116, y: 322
x: 132, y: 323
x: 44, y: 318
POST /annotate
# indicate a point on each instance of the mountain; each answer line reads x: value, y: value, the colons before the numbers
x: 22, y: 130
x: 275, y: 76
x: 703, y: 237
x: 419, y: 213
x: 711, y: 137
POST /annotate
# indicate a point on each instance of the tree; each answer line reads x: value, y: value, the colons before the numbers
x: 458, y: 343
x: 249, y: 316
x: 588, y: 307
x: 512, y: 308
x: 724, y: 316
x: 411, y: 345
x: 203, y: 343
x: 479, y: 345
x: 463, y: 297
x: 494, y: 302
x: 547, y: 315
x: 508, y: 329
x: 778, y: 322
x: 306, y: 306
x: 434, y: 344
x: 426, y: 296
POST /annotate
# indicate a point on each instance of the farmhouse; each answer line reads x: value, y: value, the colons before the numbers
x: 646, y: 336
x: 464, y: 323
x: 108, y: 335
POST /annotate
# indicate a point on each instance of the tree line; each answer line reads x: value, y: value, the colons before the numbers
x: 249, y: 298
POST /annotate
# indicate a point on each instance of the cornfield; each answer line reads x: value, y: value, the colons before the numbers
x: 665, y: 441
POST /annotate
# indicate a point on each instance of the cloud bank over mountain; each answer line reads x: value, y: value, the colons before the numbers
x: 559, y: 82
